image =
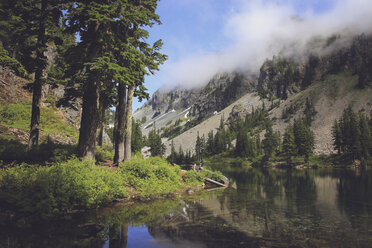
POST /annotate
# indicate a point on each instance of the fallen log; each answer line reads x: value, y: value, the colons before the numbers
x: 213, y: 182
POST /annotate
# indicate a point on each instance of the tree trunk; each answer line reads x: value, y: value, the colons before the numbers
x: 119, y: 129
x: 39, y: 77
x: 35, y: 115
x: 128, y: 125
x: 89, y: 122
x: 102, y: 109
x: 115, y: 127
x: 90, y: 115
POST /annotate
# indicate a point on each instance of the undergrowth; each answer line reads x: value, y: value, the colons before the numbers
x: 150, y: 177
x: 70, y: 185
x: 80, y: 184
x: 46, y: 152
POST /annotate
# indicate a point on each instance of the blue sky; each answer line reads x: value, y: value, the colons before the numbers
x: 205, y: 37
x: 188, y: 27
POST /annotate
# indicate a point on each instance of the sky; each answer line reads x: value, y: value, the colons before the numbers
x: 206, y: 37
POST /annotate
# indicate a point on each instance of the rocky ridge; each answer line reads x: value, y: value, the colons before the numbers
x: 332, y: 82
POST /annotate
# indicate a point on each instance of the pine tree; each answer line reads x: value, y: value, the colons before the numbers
x: 17, y: 25
x: 365, y: 137
x: 210, y: 144
x: 270, y: 142
x: 157, y: 148
x: 250, y: 147
x: 181, y: 156
x: 289, y: 146
x: 309, y: 112
x: 337, y: 137
x: 26, y: 27
x: 220, y: 138
x: 258, y: 145
x: 172, y: 158
x: 137, y: 138
x: 304, y: 139
x: 240, y: 141
x: 199, y: 148
x: 113, y: 52
x: 350, y: 132
x: 38, y: 21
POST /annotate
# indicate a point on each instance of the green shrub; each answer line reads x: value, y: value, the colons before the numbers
x: 193, y: 178
x: 74, y: 184
x: 11, y: 150
x: 150, y: 177
x: 214, y: 175
x: 104, y: 153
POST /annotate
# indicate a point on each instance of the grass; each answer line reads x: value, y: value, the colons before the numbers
x: 18, y: 115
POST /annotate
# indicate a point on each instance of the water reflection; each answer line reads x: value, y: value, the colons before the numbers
x: 265, y: 208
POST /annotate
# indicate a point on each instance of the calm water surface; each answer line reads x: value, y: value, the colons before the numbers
x: 261, y: 208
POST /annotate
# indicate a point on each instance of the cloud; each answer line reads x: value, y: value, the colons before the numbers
x: 261, y: 29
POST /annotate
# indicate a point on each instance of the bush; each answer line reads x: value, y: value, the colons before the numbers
x: 74, y: 184
x: 193, y: 178
x: 214, y: 175
x: 150, y: 177
x: 104, y: 153
x: 11, y: 150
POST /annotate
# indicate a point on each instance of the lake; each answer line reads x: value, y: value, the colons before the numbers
x: 260, y: 208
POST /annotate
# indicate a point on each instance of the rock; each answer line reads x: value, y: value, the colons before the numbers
x: 190, y: 191
x: 225, y: 180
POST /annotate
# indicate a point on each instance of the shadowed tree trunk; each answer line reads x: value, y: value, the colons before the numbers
x: 39, y: 78
x: 89, y: 122
x: 119, y: 129
x: 128, y: 125
x: 102, y: 109
x: 115, y: 126
x: 90, y: 114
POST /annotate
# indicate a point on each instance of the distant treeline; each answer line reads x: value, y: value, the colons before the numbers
x: 352, y: 135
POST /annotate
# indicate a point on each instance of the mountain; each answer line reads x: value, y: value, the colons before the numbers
x: 331, y: 81
x: 192, y: 106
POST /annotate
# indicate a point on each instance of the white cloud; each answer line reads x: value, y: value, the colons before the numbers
x: 261, y: 29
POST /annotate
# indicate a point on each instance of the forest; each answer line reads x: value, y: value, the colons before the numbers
x: 99, y: 53
x: 351, y: 134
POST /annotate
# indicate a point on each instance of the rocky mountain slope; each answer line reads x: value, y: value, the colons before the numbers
x: 194, y: 105
x: 332, y: 81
